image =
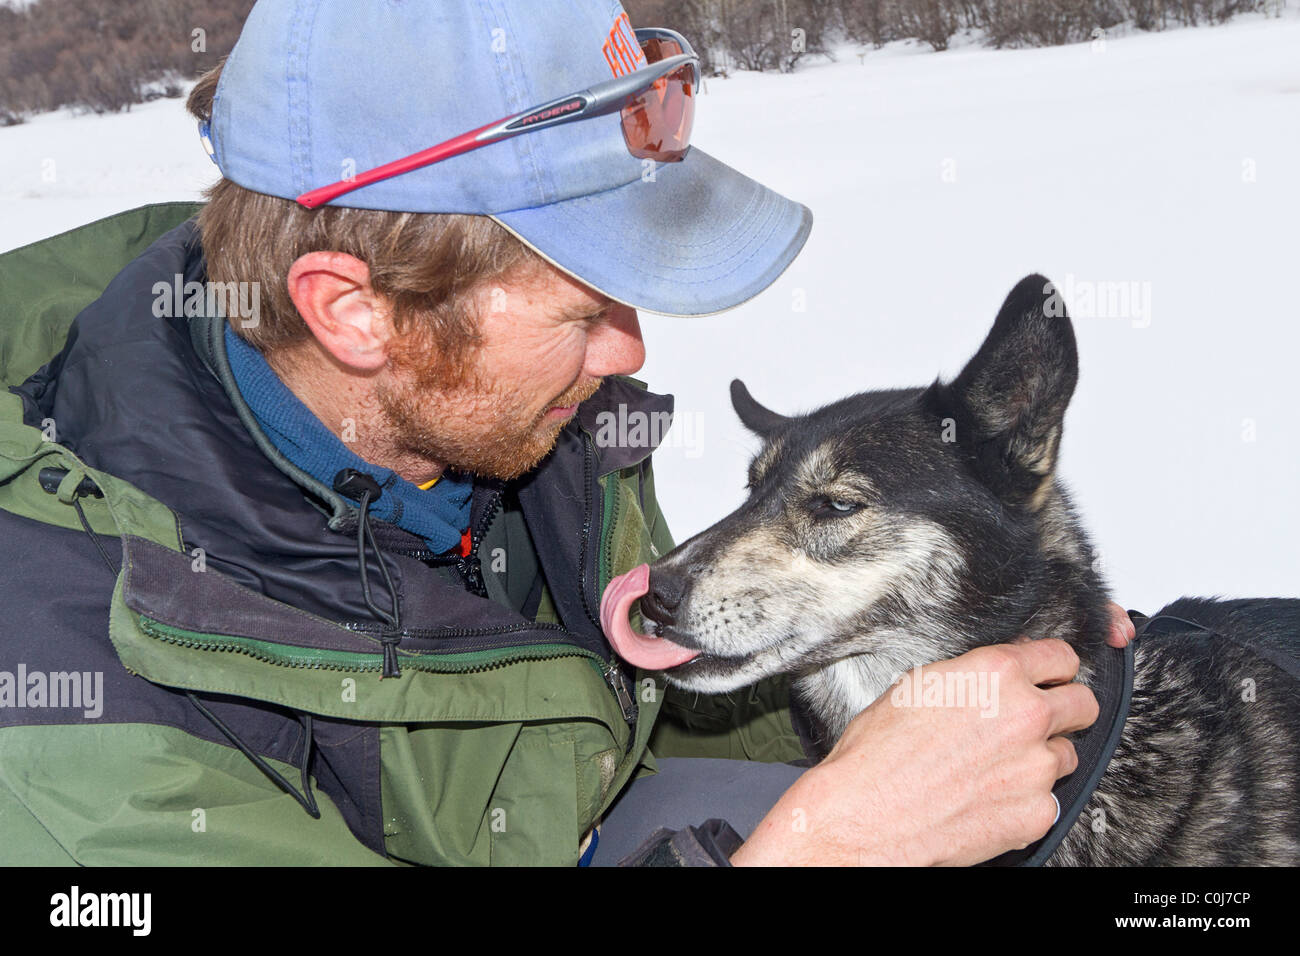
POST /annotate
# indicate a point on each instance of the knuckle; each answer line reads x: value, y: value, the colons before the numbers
x: 1081, y: 703
x: 1036, y: 716
x: 1061, y: 759
x: 1069, y: 756
x: 1000, y: 659
x: 1069, y: 656
x: 1091, y: 706
x: 1036, y: 820
x: 1044, y: 815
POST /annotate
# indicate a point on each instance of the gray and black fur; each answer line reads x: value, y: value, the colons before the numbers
x: 898, y: 528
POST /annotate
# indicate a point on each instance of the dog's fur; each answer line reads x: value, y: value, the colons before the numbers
x: 898, y: 528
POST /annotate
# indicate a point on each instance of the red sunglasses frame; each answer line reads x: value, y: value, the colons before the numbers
x: 599, y: 100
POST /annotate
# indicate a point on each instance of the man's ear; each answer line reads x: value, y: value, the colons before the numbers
x: 1010, y: 399
x: 759, y: 420
x: 332, y: 293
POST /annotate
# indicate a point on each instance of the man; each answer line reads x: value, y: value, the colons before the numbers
x: 305, y: 521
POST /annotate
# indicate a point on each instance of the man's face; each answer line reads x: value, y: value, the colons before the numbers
x: 547, y: 340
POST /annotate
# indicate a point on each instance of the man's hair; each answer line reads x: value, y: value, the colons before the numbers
x: 423, y: 264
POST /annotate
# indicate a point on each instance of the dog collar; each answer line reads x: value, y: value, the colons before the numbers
x: 1095, y: 746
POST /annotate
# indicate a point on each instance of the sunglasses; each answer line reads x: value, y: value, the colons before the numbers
x: 657, y: 104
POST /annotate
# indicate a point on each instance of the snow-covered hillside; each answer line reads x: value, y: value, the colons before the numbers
x: 1161, y: 167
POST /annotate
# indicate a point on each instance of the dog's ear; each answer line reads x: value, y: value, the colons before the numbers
x: 759, y: 420
x: 1013, y: 394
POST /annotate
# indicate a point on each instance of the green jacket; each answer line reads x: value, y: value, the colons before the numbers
x: 188, y: 671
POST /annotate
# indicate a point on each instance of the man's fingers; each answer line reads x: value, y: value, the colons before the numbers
x: 1122, y: 629
x: 1067, y: 757
x: 1074, y: 707
x: 1049, y: 661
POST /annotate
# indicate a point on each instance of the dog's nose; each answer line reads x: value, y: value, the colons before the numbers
x: 665, y: 594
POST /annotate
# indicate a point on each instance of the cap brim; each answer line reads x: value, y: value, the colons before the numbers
x: 697, y: 238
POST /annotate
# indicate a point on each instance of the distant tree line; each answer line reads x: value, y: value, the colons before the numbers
x: 761, y: 34
x: 106, y: 55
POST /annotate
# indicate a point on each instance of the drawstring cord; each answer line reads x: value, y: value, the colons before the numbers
x: 49, y: 479
x: 365, y: 490
x: 307, y: 799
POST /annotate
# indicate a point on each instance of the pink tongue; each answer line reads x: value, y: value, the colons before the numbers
x: 640, y: 650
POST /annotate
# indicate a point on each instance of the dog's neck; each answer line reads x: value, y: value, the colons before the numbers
x: 1060, y: 593
x: 1072, y: 603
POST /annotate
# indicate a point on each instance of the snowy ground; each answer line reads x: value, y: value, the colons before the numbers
x: 1167, y: 162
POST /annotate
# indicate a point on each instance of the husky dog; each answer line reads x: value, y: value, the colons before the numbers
x: 898, y: 528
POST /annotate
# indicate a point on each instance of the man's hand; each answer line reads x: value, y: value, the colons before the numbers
x: 920, y: 783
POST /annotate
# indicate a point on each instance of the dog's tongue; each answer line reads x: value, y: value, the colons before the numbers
x: 640, y: 650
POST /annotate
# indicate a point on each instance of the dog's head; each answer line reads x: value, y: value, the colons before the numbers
x: 907, y: 524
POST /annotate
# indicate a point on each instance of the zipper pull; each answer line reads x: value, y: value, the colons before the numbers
x: 390, y: 642
x: 470, y: 566
x: 617, y: 680
x: 472, y: 571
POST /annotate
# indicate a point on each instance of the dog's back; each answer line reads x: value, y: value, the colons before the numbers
x: 1207, y: 769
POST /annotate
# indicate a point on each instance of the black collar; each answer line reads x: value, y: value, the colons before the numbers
x: 1095, y: 746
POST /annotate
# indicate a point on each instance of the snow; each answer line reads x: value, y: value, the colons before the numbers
x: 1164, y: 162
x: 59, y: 170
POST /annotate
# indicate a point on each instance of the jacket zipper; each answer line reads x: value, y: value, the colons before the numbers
x: 358, y: 662
x: 614, y: 675
x: 471, y: 567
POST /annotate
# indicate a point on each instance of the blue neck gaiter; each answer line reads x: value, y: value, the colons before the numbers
x: 437, y: 515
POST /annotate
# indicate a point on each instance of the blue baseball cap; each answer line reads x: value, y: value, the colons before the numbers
x: 318, y: 90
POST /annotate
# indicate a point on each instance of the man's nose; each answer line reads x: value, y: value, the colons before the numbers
x: 614, y: 347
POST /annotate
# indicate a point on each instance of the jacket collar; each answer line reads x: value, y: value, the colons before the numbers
x: 626, y: 422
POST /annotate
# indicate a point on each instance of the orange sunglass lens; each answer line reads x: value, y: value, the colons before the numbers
x: 660, y: 49
x: 657, y: 124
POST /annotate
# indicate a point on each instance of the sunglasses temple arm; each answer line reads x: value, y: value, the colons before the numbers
x: 445, y: 150
x: 491, y: 133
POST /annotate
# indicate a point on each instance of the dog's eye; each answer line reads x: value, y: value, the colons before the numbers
x: 832, y: 507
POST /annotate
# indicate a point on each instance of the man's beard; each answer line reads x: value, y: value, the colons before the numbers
x: 474, y: 427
